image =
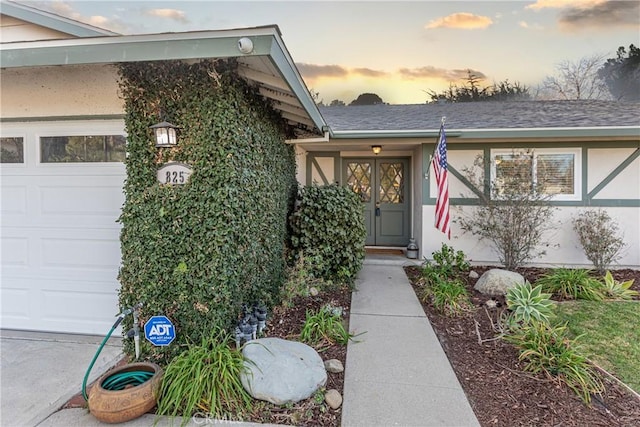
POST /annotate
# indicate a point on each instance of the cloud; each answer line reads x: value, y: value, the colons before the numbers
x: 315, y: 71
x: 368, y: 72
x: 526, y: 25
x: 562, y: 4
x: 175, y: 14
x: 463, y: 20
x: 66, y: 10
x: 609, y: 14
x: 439, y: 73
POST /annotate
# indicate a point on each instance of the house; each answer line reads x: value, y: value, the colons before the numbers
x: 592, y: 147
x: 60, y: 238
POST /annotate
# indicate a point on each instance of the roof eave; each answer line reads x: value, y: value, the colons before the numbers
x: 484, y: 134
x: 167, y: 46
x: 52, y: 21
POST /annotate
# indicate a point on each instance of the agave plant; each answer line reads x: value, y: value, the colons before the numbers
x: 527, y: 303
x: 618, y: 290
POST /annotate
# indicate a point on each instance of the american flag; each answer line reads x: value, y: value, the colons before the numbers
x: 439, y: 161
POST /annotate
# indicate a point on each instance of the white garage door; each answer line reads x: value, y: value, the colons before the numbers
x: 61, y: 196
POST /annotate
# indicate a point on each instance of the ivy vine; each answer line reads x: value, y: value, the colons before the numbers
x: 196, y: 252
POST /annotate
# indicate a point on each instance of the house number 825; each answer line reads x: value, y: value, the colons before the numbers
x: 174, y: 173
x: 174, y: 177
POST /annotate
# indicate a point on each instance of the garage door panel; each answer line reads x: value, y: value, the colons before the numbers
x: 15, y: 306
x: 81, y: 253
x: 60, y: 305
x: 15, y: 252
x: 81, y: 200
x: 14, y: 200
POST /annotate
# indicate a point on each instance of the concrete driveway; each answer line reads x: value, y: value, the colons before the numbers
x: 40, y: 372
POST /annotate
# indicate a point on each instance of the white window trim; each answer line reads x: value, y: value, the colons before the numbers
x: 577, y: 165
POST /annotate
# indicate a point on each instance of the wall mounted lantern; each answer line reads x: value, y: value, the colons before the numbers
x: 376, y: 149
x: 166, y: 134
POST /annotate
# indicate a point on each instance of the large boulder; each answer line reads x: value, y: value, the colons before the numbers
x: 281, y: 371
x: 496, y: 282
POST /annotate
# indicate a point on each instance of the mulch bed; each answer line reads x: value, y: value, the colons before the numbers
x: 498, y: 389
x: 286, y: 323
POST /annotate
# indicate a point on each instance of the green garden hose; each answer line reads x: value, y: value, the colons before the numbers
x: 120, y: 380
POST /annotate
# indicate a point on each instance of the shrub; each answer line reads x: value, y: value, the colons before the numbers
x: 600, y: 237
x: 328, y: 231
x: 547, y: 349
x: 205, y: 378
x: 612, y: 289
x: 196, y: 252
x: 447, y: 263
x: 570, y: 283
x: 528, y: 304
x: 512, y: 216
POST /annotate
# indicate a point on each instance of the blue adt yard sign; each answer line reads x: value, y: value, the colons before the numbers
x: 159, y: 331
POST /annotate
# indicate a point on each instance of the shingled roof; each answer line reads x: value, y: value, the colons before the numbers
x: 484, y: 115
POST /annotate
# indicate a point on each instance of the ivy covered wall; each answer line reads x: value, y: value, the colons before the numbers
x: 196, y: 252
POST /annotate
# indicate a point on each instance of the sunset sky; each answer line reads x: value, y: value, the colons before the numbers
x: 398, y: 50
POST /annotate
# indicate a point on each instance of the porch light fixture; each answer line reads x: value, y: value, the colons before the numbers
x: 376, y: 149
x: 166, y: 134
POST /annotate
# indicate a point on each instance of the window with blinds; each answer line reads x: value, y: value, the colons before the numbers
x: 554, y: 172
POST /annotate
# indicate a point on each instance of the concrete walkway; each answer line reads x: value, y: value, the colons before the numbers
x: 397, y: 373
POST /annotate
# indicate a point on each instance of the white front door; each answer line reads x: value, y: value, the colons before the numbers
x: 60, y: 239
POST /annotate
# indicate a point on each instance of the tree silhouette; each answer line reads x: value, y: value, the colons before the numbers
x: 472, y: 91
x: 576, y: 80
x: 367, y: 99
x: 622, y: 74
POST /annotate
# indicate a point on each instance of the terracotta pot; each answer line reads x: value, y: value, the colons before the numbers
x: 123, y: 405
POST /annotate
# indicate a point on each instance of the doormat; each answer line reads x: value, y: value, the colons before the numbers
x: 384, y: 251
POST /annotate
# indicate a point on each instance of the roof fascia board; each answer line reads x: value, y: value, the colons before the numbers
x: 148, y: 47
x: 484, y: 134
x: 52, y: 21
x: 283, y: 61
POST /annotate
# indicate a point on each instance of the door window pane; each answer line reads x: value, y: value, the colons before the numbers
x: 100, y: 148
x: 11, y: 150
x: 391, y: 182
x: 359, y: 179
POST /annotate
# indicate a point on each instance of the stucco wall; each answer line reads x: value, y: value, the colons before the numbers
x: 562, y: 245
x: 78, y: 90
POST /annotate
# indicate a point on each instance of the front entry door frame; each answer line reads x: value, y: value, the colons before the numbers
x: 387, y: 200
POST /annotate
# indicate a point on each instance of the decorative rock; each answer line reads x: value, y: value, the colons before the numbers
x: 473, y: 275
x: 497, y: 282
x: 334, y: 366
x: 313, y: 291
x: 281, y: 371
x: 333, y: 398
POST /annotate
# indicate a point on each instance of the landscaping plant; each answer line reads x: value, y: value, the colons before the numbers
x: 546, y: 348
x: 572, y: 283
x: 205, y: 378
x: 600, y: 237
x: 612, y: 289
x: 328, y: 231
x: 447, y: 263
x: 325, y: 325
x: 195, y: 252
x: 513, y: 215
x: 529, y: 304
x: 448, y: 296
